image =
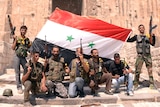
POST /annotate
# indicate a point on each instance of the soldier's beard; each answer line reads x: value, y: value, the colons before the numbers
x: 56, y: 56
x: 95, y: 57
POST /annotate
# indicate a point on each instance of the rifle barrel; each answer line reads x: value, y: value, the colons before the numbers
x: 11, y: 26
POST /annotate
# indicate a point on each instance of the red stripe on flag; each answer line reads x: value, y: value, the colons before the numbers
x: 92, y: 25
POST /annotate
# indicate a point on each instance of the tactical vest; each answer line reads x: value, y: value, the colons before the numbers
x: 97, y: 67
x: 117, y: 68
x: 36, y: 73
x: 143, y: 45
x: 56, y: 70
x: 73, y: 75
x: 22, y: 47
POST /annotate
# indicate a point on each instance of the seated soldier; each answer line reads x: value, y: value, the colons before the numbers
x: 55, y: 71
x: 98, y: 74
x: 33, y: 78
x: 121, y: 73
x: 78, y: 75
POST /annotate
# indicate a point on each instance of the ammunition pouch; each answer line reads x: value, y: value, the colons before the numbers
x: 143, y: 45
x: 52, y: 77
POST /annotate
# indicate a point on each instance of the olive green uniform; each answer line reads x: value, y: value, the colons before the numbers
x: 34, y: 80
x: 54, y: 77
x: 143, y: 55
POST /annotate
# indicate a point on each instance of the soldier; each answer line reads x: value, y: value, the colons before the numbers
x: 20, y: 45
x: 33, y: 78
x: 55, y: 74
x: 143, y: 43
x: 121, y: 73
x: 98, y: 74
x: 78, y: 75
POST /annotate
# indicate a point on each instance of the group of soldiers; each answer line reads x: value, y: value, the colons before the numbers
x: 48, y: 77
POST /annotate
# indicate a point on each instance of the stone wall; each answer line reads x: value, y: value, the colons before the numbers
x: 32, y: 13
x: 129, y: 14
x: 6, y: 56
x: 124, y: 13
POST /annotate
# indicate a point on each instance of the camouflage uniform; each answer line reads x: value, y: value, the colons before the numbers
x: 21, y: 49
x: 34, y: 80
x: 100, y: 75
x: 143, y: 55
x: 54, y: 77
x: 22, y: 46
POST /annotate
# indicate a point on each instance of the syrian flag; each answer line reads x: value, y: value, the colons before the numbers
x: 66, y: 29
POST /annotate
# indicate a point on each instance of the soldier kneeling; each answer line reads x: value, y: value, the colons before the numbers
x: 33, y: 78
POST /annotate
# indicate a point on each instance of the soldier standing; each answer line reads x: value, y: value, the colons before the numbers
x: 20, y: 45
x: 33, y: 78
x: 143, y: 43
x: 78, y: 74
x: 98, y: 74
x: 55, y: 74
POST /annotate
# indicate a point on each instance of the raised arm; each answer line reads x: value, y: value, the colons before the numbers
x: 26, y: 74
x: 152, y: 40
x: 132, y: 39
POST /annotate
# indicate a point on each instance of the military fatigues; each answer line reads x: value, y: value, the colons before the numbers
x: 54, y: 77
x: 100, y: 75
x: 20, y: 58
x: 78, y: 77
x: 143, y: 55
x: 34, y: 80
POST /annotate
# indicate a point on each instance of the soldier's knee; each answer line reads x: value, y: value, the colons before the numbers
x: 27, y: 85
x: 109, y: 75
x: 92, y: 84
x: 49, y: 83
x: 130, y: 75
x: 79, y: 79
x: 114, y: 82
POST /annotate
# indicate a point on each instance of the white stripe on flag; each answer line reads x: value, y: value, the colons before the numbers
x: 57, y: 34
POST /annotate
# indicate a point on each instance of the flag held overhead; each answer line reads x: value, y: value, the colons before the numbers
x: 65, y: 29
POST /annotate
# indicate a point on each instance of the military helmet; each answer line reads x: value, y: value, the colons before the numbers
x: 7, y: 92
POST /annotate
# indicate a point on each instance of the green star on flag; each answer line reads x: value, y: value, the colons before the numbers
x: 91, y: 44
x: 70, y: 38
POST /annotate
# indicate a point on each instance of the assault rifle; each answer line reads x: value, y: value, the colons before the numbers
x: 11, y: 27
x: 81, y: 50
x: 45, y: 49
x: 150, y: 31
x: 126, y: 76
x: 150, y: 26
x: 45, y: 52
